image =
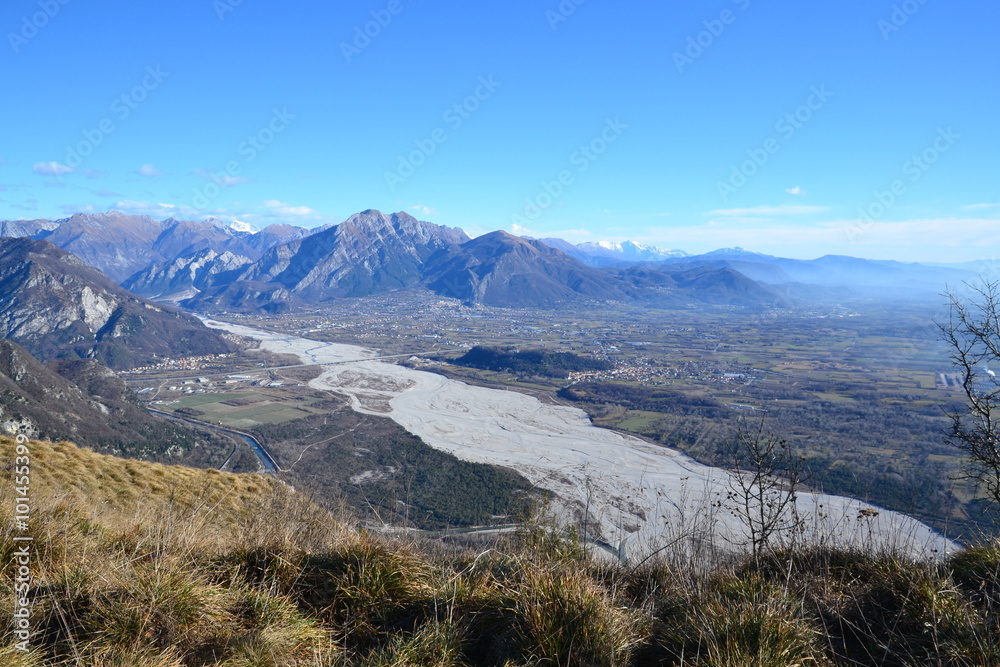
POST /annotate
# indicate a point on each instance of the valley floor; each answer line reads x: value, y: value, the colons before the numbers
x: 616, y: 488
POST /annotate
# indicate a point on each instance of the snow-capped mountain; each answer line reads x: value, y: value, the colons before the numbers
x: 630, y: 250
x: 233, y: 226
x: 604, y: 253
x: 242, y: 227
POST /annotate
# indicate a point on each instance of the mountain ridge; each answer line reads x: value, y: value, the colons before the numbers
x: 121, y: 245
x: 83, y: 401
x: 213, y: 264
x: 55, y: 305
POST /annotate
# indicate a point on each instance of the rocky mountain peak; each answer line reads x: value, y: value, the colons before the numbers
x: 55, y: 306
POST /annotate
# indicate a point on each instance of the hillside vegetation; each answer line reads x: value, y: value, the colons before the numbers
x: 81, y: 400
x: 138, y: 564
x: 56, y: 306
x: 529, y: 362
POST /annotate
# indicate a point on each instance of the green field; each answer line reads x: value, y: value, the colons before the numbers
x: 253, y: 409
x: 201, y: 400
x: 637, y: 420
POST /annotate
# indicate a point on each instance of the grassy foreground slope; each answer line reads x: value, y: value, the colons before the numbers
x: 138, y: 564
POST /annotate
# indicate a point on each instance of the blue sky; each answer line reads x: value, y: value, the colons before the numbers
x: 864, y: 127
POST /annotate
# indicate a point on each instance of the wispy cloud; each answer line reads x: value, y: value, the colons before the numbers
x: 95, y: 173
x: 148, y: 171
x: 261, y: 215
x: 225, y: 180
x: 785, y: 209
x: 155, y: 210
x: 71, y: 209
x: 51, y: 168
x: 283, y: 208
x: 129, y: 205
x: 571, y: 235
x: 424, y: 210
x: 979, y: 207
x: 795, y: 191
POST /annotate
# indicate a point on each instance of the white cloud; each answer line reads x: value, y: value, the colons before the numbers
x: 571, y: 235
x: 51, y: 169
x: 786, y: 209
x: 795, y: 191
x: 71, y: 209
x: 424, y: 210
x: 979, y: 207
x: 128, y: 205
x: 283, y: 208
x: 148, y: 170
x: 225, y: 180
x: 156, y: 210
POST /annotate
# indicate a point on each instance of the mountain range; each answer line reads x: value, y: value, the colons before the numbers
x: 120, y: 245
x: 611, y: 253
x: 55, y: 305
x: 214, y: 265
x: 373, y: 253
x: 881, y: 277
x: 499, y: 269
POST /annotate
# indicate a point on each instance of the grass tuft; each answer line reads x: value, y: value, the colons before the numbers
x: 569, y: 620
x: 143, y: 565
x: 734, y: 620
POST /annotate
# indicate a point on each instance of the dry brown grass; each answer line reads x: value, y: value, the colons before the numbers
x: 63, y: 471
x: 145, y: 565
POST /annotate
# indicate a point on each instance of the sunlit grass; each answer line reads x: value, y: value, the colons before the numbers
x: 145, y: 565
